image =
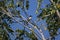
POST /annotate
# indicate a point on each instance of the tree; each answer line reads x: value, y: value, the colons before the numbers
x: 9, y: 15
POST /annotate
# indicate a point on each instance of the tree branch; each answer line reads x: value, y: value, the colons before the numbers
x: 8, y: 14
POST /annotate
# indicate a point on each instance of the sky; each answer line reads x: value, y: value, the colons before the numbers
x: 31, y: 11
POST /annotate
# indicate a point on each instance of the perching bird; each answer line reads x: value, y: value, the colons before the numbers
x: 30, y: 17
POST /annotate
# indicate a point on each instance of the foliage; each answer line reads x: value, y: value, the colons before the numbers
x: 4, y: 27
x: 51, y: 16
x: 22, y: 33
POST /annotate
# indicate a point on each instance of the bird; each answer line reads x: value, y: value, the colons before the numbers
x: 29, y: 18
